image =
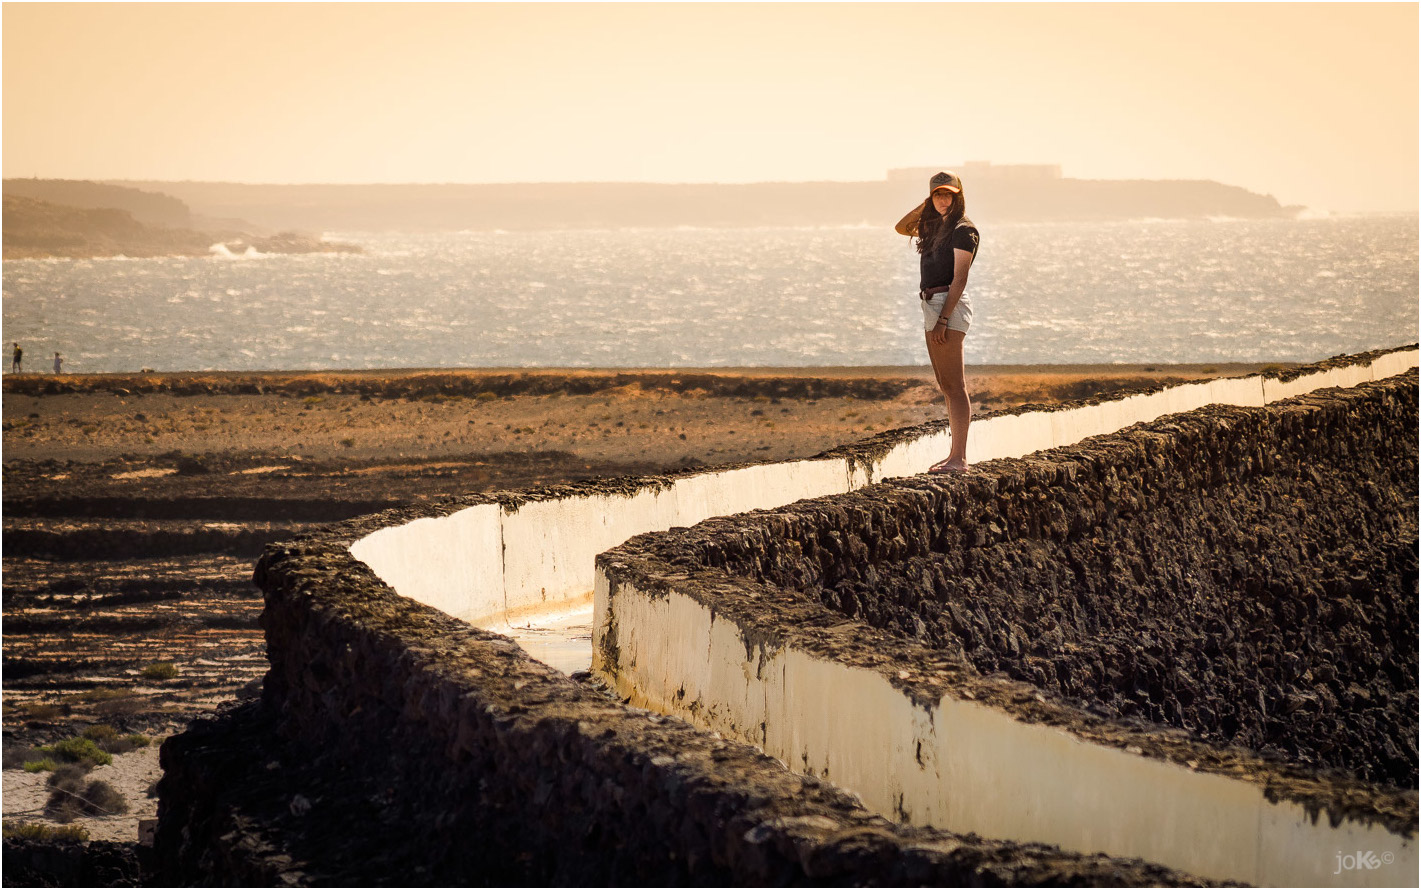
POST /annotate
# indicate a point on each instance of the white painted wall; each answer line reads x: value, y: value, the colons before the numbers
x: 452, y: 563
x: 968, y: 767
x: 488, y: 564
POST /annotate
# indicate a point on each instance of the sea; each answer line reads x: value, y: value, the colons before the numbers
x: 1141, y: 291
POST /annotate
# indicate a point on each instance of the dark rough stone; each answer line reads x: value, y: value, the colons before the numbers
x: 461, y: 383
x: 397, y: 745
x: 1192, y: 587
x: 75, y: 864
x: 1245, y: 574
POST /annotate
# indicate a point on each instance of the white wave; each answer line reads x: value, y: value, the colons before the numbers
x: 222, y: 252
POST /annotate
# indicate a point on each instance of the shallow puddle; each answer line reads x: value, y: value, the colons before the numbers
x: 561, y: 640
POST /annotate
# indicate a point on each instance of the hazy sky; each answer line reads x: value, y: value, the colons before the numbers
x: 1315, y: 104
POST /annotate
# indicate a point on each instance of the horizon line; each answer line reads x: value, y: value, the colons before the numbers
x: 885, y: 179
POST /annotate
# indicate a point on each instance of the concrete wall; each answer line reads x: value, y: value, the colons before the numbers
x: 967, y: 766
x: 511, y: 556
x: 1180, y: 574
x: 397, y: 745
x: 725, y: 625
x: 440, y: 753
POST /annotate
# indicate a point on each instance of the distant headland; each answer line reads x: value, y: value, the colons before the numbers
x: 995, y: 193
x: 79, y: 219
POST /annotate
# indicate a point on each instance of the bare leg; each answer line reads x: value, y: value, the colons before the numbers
x: 951, y: 379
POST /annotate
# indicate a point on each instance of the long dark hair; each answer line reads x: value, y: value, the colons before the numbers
x: 934, y: 229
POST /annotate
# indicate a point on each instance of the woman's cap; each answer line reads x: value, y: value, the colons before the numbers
x: 945, y: 180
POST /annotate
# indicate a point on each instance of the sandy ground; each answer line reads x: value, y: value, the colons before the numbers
x: 632, y: 422
x: 135, y: 507
x: 132, y: 774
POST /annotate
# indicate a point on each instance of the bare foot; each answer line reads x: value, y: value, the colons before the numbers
x: 949, y: 465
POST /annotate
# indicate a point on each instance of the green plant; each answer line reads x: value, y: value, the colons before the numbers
x: 486, y: 396
x: 313, y: 400
x: 79, y: 750
x: 159, y: 670
x: 109, y: 739
x: 39, y: 766
x: 37, y: 831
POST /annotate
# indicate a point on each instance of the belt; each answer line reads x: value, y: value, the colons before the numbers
x: 928, y: 292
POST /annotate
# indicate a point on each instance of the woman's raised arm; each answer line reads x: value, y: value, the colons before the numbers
x: 908, y: 225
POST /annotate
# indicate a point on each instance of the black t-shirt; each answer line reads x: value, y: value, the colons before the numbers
x: 937, y: 268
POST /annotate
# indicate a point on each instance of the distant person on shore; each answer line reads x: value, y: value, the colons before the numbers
x: 17, y: 359
x: 947, y: 245
x: 58, y: 363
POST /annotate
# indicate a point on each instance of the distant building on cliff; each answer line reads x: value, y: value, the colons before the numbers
x: 1039, y: 193
x: 983, y: 171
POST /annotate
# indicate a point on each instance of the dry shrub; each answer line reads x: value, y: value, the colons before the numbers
x: 42, y: 711
x: 17, y: 755
x: 121, y: 707
x: 103, y: 798
x: 102, y: 693
x: 69, y: 777
x: 38, y: 831
x: 73, y: 799
x: 125, y: 743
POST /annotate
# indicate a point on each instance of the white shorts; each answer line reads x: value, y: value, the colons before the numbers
x: 960, y: 320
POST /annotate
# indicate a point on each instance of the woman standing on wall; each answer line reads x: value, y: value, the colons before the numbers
x: 947, y: 244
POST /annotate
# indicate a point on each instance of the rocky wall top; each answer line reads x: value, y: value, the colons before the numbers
x: 516, y: 773
x: 479, y: 741
x: 1166, y: 572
